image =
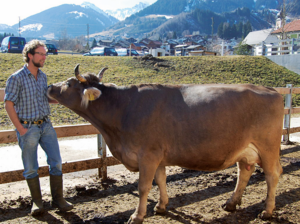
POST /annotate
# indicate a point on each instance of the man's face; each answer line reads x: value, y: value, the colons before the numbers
x: 39, y: 57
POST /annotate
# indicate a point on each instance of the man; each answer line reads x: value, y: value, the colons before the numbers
x: 27, y: 106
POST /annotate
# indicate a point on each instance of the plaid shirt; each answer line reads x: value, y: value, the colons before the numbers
x: 28, y: 94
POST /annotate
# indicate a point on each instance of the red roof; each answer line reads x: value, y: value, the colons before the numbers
x: 290, y: 27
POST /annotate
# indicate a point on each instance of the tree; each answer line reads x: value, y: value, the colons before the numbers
x: 239, y: 29
x: 243, y: 49
x: 174, y: 35
x: 94, y: 44
x: 220, y: 31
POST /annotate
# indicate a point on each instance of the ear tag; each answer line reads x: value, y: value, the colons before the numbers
x: 92, y: 97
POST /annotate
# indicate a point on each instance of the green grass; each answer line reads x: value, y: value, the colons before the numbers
x: 128, y: 70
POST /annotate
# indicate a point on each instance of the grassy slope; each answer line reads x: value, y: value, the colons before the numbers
x: 174, y: 70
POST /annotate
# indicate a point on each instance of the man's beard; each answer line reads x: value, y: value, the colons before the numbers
x: 37, y: 64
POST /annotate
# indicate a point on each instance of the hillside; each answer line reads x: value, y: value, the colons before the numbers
x: 200, y: 20
x: 67, y: 19
x: 195, y: 20
x: 195, y: 15
x: 164, y: 70
x: 176, y: 7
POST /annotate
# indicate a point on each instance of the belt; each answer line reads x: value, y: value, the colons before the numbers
x: 34, y: 122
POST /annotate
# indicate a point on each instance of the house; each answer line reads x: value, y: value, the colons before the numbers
x: 151, y: 43
x: 169, y: 46
x: 121, y: 44
x: 105, y: 42
x: 225, y: 48
x: 131, y: 40
x: 138, y: 46
x: 157, y: 52
x: 292, y: 30
x: 180, y: 50
x: 255, y: 39
x: 195, y: 48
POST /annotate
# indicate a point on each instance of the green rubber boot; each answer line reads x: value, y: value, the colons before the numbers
x: 56, y: 185
x: 35, y: 191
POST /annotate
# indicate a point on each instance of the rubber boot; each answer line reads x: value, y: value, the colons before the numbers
x: 35, y: 191
x: 56, y: 185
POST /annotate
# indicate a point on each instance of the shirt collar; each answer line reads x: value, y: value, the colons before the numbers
x: 28, y: 72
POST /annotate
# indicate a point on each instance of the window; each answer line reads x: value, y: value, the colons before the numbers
x: 22, y: 42
x: 14, y: 41
x: 97, y: 50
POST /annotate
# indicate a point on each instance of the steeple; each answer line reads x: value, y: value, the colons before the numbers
x: 280, y: 19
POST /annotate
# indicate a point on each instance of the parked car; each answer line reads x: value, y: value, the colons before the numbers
x: 51, y: 49
x: 12, y: 44
x: 102, y: 51
x: 125, y: 52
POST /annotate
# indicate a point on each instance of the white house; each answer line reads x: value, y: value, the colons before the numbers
x: 158, y: 52
x: 256, y: 38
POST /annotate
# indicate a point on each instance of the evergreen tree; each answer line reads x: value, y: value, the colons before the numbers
x: 248, y: 28
x: 233, y: 31
x: 220, y: 30
x: 174, y: 35
x: 94, y: 44
x: 243, y: 49
x: 239, y: 29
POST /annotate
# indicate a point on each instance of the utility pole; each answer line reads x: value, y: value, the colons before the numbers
x: 88, y: 36
x: 212, y: 31
x: 19, y: 26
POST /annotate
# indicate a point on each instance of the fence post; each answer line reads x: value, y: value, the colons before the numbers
x: 293, y: 43
x: 287, y: 117
x: 102, y: 171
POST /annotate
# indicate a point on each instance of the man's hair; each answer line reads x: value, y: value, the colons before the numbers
x: 30, y: 48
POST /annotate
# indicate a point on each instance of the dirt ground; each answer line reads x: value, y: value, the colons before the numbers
x: 195, y: 197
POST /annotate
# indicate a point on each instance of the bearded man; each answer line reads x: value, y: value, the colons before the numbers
x: 27, y: 106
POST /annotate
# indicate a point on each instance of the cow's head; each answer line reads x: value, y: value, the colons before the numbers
x: 77, y: 91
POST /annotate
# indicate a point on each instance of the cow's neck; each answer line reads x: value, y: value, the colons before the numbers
x: 106, y: 114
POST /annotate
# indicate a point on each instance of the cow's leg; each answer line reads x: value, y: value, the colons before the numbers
x: 147, y: 168
x: 272, y: 170
x: 244, y: 175
x: 161, y: 180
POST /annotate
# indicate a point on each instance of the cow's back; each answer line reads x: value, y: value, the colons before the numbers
x: 202, y: 125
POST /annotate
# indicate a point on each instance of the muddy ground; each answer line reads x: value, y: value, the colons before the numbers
x: 195, y: 197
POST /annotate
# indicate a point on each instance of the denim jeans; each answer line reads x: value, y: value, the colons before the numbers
x: 45, y: 135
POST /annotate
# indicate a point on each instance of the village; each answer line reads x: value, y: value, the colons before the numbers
x: 199, y: 45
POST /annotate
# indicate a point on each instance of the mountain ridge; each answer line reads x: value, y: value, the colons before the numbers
x: 70, y: 20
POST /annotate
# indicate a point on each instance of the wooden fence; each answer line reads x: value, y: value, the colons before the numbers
x: 279, y: 47
x: 102, y: 162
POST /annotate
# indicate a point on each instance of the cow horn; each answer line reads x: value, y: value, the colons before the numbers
x: 100, y: 75
x: 77, y: 74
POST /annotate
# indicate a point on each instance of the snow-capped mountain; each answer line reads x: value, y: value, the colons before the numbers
x: 121, y: 14
x: 66, y: 20
x: 6, y: 29
x: 92, y: 6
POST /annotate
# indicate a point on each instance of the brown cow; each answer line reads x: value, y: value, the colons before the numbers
x: 200, y: 127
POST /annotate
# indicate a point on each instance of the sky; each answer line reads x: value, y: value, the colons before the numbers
x: 12, y: 10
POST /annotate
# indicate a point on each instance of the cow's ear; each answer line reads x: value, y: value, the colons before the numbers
x: 90, y: 94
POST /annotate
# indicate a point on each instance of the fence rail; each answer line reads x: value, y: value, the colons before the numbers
x: 278, y: 47
x: 8, y: 136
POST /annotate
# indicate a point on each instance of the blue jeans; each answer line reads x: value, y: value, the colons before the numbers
x: 45, y: 135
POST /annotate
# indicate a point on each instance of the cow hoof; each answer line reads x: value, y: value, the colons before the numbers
x: 160, y: 211
x: 229, y: 207
x: 135, y: 221
x: 265, y: 216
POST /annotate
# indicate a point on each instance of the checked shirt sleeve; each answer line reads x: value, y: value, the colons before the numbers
x: 12, y: 89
